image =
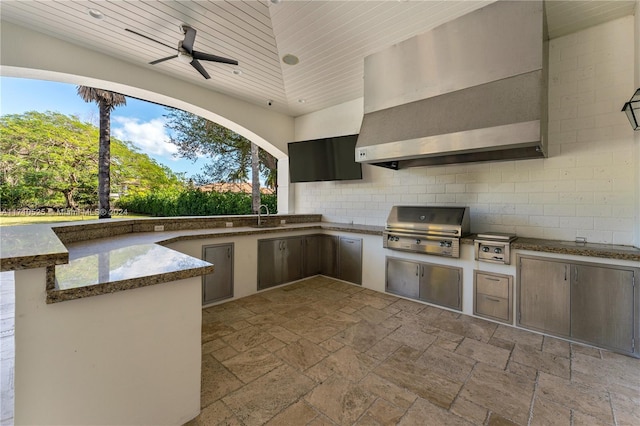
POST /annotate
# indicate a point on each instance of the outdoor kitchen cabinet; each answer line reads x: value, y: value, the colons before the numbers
x: 280, y: 260
x: 312, y: 264
x: 602, y: 306
x: 219, y: 284
x: 329, y: 255
x: 441, y: 285
x: 437, y: 284
x: 403, y: 277
x: 544, y: 291
x: 587, y: 302
x: 350, y: 260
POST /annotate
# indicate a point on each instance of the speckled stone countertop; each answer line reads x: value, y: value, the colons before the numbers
x: 30, y: 246
x: 137, y: 248
x: 122, y: 269
x: 606, y: 251
x: 609, y: 251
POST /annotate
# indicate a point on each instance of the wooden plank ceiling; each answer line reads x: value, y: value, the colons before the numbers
x: 331, y: 38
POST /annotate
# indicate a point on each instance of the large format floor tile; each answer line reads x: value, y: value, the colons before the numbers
x: 323, y: 352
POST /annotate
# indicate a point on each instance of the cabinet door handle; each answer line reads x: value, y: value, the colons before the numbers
x: 493, y: 299
x: 417, y: 270
x: 491, y: 279
x: 229, y: 253
x: 422, y: 271
x: 565, y: 272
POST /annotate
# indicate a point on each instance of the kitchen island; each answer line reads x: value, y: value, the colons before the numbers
x: 122, y: 357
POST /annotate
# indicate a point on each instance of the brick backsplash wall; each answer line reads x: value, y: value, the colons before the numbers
x: 586, y: 188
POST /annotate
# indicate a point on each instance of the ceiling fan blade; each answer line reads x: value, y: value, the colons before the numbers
x: 189, y: 38
x: 157, y: 61
x: 197, y: 65
x: 149, y: 38
x: 214, y: 58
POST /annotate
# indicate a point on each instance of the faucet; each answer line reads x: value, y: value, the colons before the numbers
x: 259, y: 210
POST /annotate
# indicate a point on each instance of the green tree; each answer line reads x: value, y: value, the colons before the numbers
x: 106, y: 101
x: 230, y: 153
x: 50, y: 159
x: 43, y: 154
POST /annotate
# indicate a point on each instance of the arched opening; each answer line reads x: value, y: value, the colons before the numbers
x: 159, y: 99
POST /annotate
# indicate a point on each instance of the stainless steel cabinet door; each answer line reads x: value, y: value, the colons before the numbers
x: 544, y: 295
x: 292, y: 258
x: 219, y: 284
x: 329, y: 255
x: 270, y: 272
x: 441, y: 285
x: 350, y: 260
x: 402, y: 278
x: 602, y: 306
x: 311, y: 255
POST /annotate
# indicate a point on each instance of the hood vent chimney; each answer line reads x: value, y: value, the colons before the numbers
x: 473, y: 89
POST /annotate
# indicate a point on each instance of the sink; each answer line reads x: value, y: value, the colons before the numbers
x: 264, y: 226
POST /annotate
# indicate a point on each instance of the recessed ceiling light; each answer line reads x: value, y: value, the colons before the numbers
x: 301, y: 101
x: 275, y: 1
x: 290, y: 59
x: 94, y: 13
x: 237, y: 71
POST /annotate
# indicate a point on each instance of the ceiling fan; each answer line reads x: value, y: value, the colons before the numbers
x: 186, y: 53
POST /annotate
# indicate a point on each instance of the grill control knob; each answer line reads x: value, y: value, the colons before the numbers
x: 418, y: 241
x: 448, y: 244
x: 485, y: 249
x: 497, y: 250
x: 442, y: 243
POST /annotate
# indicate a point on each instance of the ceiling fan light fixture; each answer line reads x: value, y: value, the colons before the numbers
x: 96, y: 14
x: 184, y: 57
x: 302, y: 101
x: 290, y: 59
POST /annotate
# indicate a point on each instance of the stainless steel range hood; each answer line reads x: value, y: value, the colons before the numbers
x: 473, y: 89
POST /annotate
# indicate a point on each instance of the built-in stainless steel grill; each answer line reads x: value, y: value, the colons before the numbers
x: 425, y: 229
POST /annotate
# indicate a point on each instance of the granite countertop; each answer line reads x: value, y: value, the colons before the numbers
x: 122, y: 269
x: 30, y: 246
x: 606, y: 251
x: 609, y: 251
x: 125, y: 261
x: 131, y: 251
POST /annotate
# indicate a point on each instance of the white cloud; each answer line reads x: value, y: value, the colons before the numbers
x: 150, y: 136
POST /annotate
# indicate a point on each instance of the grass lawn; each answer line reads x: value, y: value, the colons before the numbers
x: 52, y: 218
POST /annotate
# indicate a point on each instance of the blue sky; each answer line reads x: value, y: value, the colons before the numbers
x: 138, y: 121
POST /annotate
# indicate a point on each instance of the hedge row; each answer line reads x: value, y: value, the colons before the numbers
x: 193, y: 202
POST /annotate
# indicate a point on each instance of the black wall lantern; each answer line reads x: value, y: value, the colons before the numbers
x: 632, y: 109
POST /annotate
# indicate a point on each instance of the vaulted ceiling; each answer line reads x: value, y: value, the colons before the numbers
x: 330, y: 38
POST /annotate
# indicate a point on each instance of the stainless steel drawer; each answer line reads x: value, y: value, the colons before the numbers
x: 491, y: 306
x: 493, y: 296
x: 492, y: 285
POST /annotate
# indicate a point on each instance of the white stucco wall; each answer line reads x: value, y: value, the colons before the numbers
x: 586, y: 188
x: 131, y: 357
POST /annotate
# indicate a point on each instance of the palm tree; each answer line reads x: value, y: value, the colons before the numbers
x: 106, y: 101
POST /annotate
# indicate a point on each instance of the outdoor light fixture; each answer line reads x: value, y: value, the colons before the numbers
x: 632, y: 109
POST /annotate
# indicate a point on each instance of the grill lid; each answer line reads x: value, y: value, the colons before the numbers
x: 452, y: 221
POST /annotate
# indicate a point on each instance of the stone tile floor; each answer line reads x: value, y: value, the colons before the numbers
x: 322, y: 352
